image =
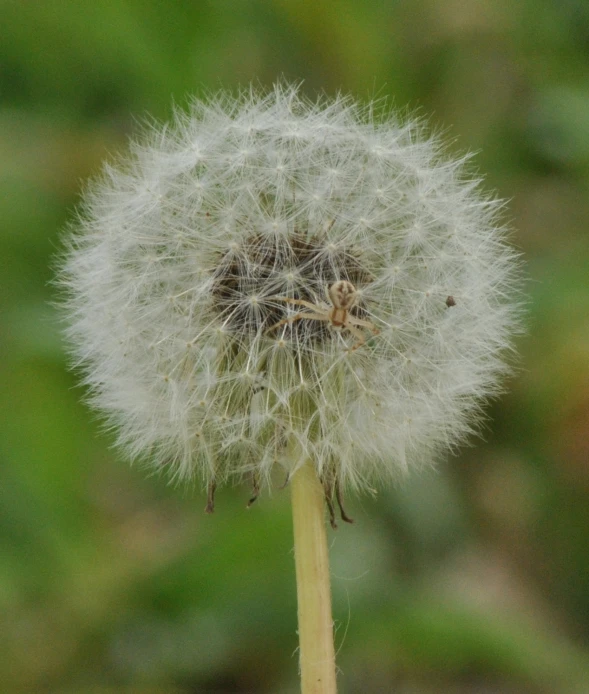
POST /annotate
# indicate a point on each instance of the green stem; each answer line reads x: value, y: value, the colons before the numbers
x: 316, y: 650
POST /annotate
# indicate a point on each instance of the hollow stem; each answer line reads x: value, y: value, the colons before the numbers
x: 316, y: 650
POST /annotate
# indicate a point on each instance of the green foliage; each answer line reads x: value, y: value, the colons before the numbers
x: 469, y: 579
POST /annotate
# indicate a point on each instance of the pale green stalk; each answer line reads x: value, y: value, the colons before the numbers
x: 316, y: 649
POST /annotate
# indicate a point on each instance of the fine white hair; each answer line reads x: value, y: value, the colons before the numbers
x: 185, y: 249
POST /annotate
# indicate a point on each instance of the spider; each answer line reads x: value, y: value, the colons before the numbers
x: 343, y: 296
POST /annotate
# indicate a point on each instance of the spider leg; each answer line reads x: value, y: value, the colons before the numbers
x: 284, y: 321
x: 296, y: 317
x: 364, y: 324
x: 358, y: 334
x: 299, y: 302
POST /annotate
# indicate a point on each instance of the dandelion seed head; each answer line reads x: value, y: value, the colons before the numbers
x: 241, y: 215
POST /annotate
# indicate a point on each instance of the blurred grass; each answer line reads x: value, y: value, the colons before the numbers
x: 471, y: 579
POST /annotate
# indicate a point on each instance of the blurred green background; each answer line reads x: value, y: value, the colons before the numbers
x: 471, y: 579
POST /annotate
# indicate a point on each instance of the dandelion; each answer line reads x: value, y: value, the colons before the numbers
x: 272, y: 281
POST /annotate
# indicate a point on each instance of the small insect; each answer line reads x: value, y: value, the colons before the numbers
x: 450, y: 301
x: 343, y: 296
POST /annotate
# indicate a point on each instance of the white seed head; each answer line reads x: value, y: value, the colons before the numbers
x: 183, y: 256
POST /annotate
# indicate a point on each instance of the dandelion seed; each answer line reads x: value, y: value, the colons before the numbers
x: 202, y: 281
